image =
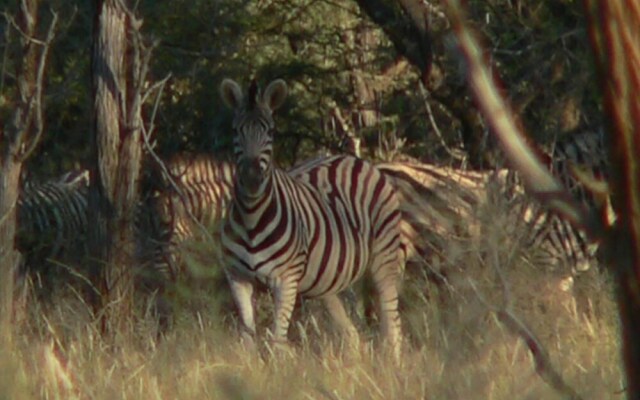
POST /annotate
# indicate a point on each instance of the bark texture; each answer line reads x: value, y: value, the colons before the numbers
x: 117, y: 153
x: 18, y: 140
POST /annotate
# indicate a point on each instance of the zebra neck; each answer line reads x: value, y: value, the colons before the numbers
x: 252, y: 206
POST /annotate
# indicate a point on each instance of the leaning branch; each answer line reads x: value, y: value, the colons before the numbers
x: 484, y: 84
x: 544, y: 366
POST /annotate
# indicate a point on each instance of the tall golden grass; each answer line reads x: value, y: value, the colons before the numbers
x: 455, y: 346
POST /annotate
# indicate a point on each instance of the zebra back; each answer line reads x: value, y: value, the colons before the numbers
x: 437, y: 203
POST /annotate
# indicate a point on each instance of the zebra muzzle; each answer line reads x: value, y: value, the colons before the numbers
x: 251, y: 174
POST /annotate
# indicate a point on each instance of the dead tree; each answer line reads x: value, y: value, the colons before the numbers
x: 119, y: 64
x: 19, y: 137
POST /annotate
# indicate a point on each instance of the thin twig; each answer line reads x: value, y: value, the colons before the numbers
x: 540, y: 356
x: 36, y: 99
x: 457, y: 155
x: 22, y: 33
x: 541, y: 359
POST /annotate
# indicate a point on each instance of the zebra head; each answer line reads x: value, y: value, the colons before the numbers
x: 254, y: 126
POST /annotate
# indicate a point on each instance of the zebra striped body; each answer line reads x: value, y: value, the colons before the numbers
x: 448, y: 200
x: 437, y: 205
x: 185, y: 207
x: 557, y: 240
x: 313, y: 231
x: 52, y: 223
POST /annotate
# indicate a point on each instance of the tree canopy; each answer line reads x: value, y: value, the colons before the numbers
x: 347, y: 70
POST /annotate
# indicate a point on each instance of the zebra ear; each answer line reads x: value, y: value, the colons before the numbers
x: 231, y: 93
x: 275, y: 94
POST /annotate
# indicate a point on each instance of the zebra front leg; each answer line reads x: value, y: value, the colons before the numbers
x: 242, y: 291
x: 335, y: 307
x: 285, y: 290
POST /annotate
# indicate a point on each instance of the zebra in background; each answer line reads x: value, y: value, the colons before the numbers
x: 450, y: 197
x: 557, y: 240
x: 52, y: 227
x: 313, y: 231
x: 183, y: 208
x: 183, y: 201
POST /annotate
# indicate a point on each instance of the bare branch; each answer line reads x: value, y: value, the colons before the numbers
x: 146, y: 135
x: 484, y: 84
x: 36, y: 99
x: 454, y: 153
x: 22, y: 33
x: 159, y: 86
x: 540, y: 356
x: 506, y: 316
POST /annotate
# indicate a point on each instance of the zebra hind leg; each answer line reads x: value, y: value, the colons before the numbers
x: 386, y: 273
x: 336, y: 310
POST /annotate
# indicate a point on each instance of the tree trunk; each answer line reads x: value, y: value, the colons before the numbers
x: 614, y: 29
x: 405, y: 22
x: 9, y: 257
x: 22, y: 133
x: 117, y: 153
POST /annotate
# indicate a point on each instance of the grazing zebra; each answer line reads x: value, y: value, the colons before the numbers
x: 449, y: 198
x: 558, y: 240
x: 52, y: 223
x: 313, y: 231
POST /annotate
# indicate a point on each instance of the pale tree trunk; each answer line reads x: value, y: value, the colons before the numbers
x: 18, y: 141
x: 117, y: 150
x: 9, y: 257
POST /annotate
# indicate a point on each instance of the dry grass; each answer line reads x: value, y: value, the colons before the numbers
x: 455, y: 347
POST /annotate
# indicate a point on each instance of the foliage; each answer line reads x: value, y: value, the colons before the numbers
x: 332, y: 56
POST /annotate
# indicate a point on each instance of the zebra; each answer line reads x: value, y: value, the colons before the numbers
x: 449, y: 197
x: 312, y: 231
x: 558, y: 241
x: 52, y: 225
x: 183, y: 207
x: 437, y: 205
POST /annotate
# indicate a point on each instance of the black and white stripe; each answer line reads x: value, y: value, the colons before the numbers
x: 313, y: 231
x: 52, y: 223
x: 557, y: 239
x: 441, y: 203
x: 184, y: 207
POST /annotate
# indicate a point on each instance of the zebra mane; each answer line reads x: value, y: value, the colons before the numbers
x: 254, y: 92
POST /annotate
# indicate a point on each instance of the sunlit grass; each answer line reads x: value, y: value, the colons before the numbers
x: 454, y: 346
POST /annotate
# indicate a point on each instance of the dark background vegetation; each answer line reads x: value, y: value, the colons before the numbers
x: 335, y: 59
